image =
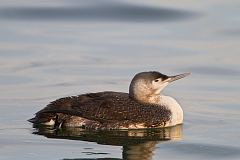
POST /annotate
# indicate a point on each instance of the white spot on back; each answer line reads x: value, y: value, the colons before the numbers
x: 50, y: 123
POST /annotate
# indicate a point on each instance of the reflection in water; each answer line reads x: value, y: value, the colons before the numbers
x: 137, y: 144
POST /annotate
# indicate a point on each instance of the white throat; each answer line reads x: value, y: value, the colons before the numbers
x: 171, y: 104
x: 140, y: 91
x: 174, y: 107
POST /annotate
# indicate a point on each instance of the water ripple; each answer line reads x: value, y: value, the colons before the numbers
x: 206, y: 150
x: 104, y: 12
x: 209, y: 70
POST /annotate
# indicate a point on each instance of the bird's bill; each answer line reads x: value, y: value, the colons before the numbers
x: 176, y: 77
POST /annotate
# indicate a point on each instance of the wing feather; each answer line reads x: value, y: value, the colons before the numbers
x: 108, y: 107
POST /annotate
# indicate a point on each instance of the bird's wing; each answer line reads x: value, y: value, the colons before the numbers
x: 107, y: 107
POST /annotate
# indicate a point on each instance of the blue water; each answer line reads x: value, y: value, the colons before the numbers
x: 52, y: 49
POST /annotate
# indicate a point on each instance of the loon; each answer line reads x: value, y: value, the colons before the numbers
x: 143, y: 107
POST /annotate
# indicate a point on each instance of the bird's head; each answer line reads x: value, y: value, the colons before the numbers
x: 145, y: 85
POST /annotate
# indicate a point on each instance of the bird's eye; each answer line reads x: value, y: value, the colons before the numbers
x: 156, y: 80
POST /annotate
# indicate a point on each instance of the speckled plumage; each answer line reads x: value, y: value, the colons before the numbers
x: 105, y: 110
x: 143, y: 107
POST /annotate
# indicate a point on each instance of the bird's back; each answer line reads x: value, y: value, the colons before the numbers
x: 108, y: 110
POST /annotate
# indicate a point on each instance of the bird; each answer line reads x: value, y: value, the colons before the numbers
x: 143, y: 107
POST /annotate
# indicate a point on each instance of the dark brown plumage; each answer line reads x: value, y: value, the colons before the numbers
x: 143, y: 107
x: 105, y: 110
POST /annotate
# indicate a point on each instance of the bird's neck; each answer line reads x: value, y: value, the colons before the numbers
x: 141, y: 92
x: 147, y: 99
x: 166, y: 101
x: 176, y: 110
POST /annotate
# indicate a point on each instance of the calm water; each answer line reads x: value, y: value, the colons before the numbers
x: 66, y: 47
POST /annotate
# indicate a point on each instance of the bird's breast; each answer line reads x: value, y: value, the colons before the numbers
x: 176, y: 110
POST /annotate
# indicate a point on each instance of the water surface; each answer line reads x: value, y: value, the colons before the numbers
x: 60, y: 48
